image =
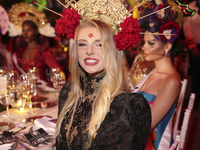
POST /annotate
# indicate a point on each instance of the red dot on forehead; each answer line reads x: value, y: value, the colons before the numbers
x: 90, y: 35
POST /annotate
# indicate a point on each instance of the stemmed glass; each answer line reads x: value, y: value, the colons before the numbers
x: 12, y: 79
x: 17, y: 101
x: 4, y: 95
x: 35, y: 73
x: 29, y: 88
x: 5, y: 100
x: 57, y: 78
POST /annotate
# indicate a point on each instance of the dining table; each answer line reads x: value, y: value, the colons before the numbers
x: 44, y: 104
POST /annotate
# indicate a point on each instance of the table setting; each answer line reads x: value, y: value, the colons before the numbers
x: 30, y: 118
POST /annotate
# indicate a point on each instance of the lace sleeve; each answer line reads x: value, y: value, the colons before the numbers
x: 126, y: 126
x: 63, y: 95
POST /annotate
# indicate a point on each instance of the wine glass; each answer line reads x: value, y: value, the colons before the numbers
x: 29, y: 88
x: 5, y: 100
x: 17, y: 101
x: 12, y: 79
x: 35, y: 73
x: 57, y: 78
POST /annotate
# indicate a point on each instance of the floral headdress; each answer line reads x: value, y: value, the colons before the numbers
x: 165, y: 20
x: 126, y: 28
x: 21, y: 12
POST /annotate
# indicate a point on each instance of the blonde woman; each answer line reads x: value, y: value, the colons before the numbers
x: 95, y: 111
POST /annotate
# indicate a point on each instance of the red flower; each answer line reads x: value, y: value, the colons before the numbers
x: 67, y: 24
x: 122, y: 40
x: 175, y: 30
x: 129, y: 24
x: 129, y: 35
x: 71, y: 16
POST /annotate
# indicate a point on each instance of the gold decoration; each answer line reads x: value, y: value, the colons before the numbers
x: 112, y: 12
x: 21, y: 12
x: 137, y: 70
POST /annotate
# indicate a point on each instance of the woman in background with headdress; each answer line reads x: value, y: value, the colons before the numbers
x: 31, y: 47
x: 161, y: 86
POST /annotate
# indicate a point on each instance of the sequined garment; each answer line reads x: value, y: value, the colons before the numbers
x: 125, y: 127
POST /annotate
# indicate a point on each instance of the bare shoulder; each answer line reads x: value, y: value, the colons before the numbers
x: 173, y: 81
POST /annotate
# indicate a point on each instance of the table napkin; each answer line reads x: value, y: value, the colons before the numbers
x: 46, y: 124
x: 6, y: 146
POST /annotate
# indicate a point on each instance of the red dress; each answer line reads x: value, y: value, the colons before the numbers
x: 43, y: 60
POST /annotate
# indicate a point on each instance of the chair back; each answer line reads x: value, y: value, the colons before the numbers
x: 186, y: 119
x: 179, y: 107
x: 176, y: 144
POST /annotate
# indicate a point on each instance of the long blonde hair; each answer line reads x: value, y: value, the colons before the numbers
x: 112, y: 84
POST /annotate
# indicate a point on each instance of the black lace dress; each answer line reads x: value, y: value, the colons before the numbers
x: 125, y: 127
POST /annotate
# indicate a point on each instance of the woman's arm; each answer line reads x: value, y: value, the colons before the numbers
x: 166, y: 97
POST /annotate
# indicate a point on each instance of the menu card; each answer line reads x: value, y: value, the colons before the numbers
x: 37, y: 137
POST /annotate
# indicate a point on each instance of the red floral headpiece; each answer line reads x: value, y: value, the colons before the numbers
x: 126, y: 28
x: 129, y: 35
x: 67, y: 24
x: 174, y: 31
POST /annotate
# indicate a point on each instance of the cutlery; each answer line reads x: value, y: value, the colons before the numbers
x: 25, y: 147
x: 24, y: 141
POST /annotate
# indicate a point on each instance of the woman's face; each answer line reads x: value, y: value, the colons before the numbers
x: 29, y: 33
x: 153, y: 49
x: 89, y: 51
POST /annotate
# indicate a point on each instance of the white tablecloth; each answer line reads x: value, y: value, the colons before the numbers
x: 52, y: 112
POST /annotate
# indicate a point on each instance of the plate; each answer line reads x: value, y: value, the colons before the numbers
x: 4, y: 126
x: 32, y: 119
x: 14, y: 146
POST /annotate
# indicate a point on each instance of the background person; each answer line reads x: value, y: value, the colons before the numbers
x: 30, y: 48
x: 161, y: 86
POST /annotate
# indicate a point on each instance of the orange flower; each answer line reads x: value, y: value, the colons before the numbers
x: 153, y: 136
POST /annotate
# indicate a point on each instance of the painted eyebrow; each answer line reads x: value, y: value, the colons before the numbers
x: 151, y: 40
x: 84, y: 40
x: 97, y: 40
